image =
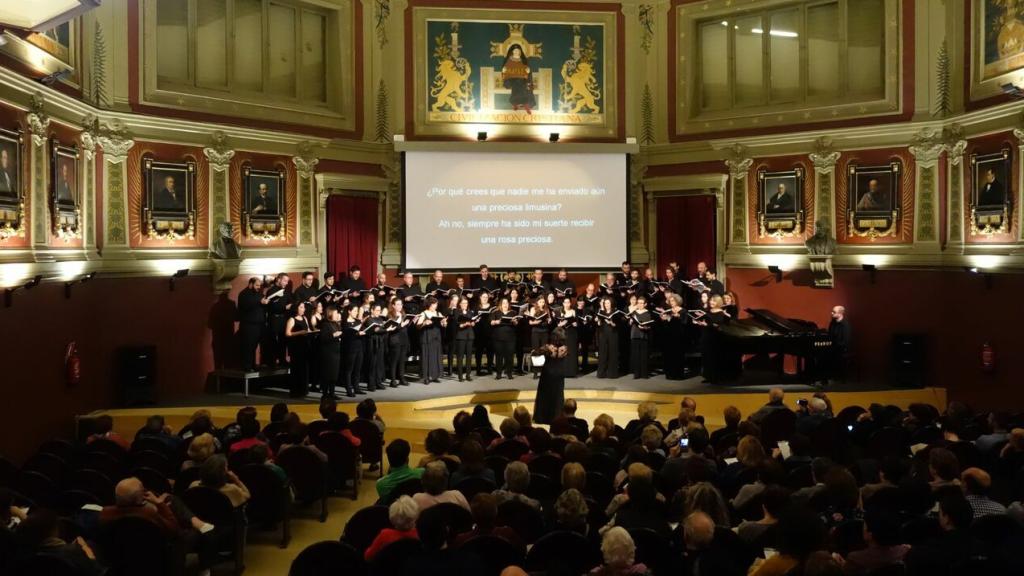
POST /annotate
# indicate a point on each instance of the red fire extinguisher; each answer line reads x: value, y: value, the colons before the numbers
x: 988, y: 357
x: 72, y: 365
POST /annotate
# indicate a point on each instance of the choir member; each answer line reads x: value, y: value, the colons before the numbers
x: 537, y: 286
x: 634, y: 287
x: 673, y: 337
x: 251, y: 318
x: 584, y: 330
x: 352, y: 350
x: 437, y: 287
x: 483, y: 347
x: 460, y: 286
x: 591, y: 297
x: 522, y: 328
x: 608, y: 339
x: 431, y: 324
x: 450, y: 311
x: 398, y: 343
x: 674, y: 284
x: 307, y: 292
x: 731, y: 305
x: 329, y: 351
x: 296, y: 332
x: 411, y: 294
x: 623, y: 276
x: 464, y: 322
x: 539, y: 320
x: 641, y: 323
x: 328, y: 291
x: 317, y: 316
x: 649, y: 286
x: 712, y: 321
x: 485, y: 281
x: 376, y: 353
x: 354, y: 282
x: 503, y: 333
x: 702, y: 271
x: 714, y: 284
x: 705, y: 300
x: 610, y: 287
x: 381, y: 291
x: 568, y: 321
x: 562, y: 286
x: 279, y: 298
x: 316, y: 319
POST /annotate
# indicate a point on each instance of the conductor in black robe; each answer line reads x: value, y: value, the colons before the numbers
x: 251, y: 318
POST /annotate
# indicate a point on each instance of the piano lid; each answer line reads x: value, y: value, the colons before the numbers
x: 780, y: 325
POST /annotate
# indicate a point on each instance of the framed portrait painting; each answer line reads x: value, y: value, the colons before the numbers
x: 169, y: 201
x: 991, y: 192
x: 12, y: 195
x: 780, y: 211
x: 65, y: 200
x: 874, y: 204
x: 264, y: 212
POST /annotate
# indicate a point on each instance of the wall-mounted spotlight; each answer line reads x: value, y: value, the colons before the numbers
x: 553, y: 137
x: 870, y: 269
x: 777, y: 272
x: 9, y: 292
x: 179, y: 274
x: 1012, y: 90
x: 35, y: 281
x: 80, y: 280
x: 481, y: 136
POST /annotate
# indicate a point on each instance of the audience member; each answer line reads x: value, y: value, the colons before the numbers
x: 774, y: 500
x: 510, y: 432
x: 398, y: 469
x: 485, y: 513
x: 882, y: 536
x: 517, y: 482
x: 943, y: 468
x: 158, y: 429
x: 402, y: 513
x: 367, y: 411
x: 435, y: 488
x: 811, y: 416
x: 976, y: 483
x: 619, y: 553
x: 103, y: 427
x: 472, y: 465
x: 574, y: 476
x: 776, y: 399
x: 732, y: 417
x: 40, y: 534
x: 571, y: 512
x: 438, y: 444
x: 481, y: 418
x: 214, y: 474
x: 249, y: 430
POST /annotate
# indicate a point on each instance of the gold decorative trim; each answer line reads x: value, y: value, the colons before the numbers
x: 871, y: 227
x: 169, y: 226
x: 988, y: 220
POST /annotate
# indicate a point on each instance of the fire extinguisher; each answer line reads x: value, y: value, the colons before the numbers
x: 72, y: 365
x: 988, y: 357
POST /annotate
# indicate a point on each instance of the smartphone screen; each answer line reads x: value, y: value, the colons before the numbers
x: 684, y: 442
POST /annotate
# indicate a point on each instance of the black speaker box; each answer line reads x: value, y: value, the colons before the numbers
x: 136, y: 375
x: 908, y: 361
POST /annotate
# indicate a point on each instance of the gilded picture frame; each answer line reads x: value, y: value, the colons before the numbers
x: 780, y: 201
x: 997, y: 46
x: 515, y: 72
x: 169, y: 199
x: 264, y: 211
x: 12, y: 185
x: 874, y: 203
x: 991, y: 192
x: 65, y: 196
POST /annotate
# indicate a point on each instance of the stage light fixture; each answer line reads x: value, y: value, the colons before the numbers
x: 89, y: 276
x: 553, y: 137
x: 971, y: 269
x: 80, y: 280
x: 777, y: 272
x: 35, y: 281
x: 179, y: 274
x: 481, y: 136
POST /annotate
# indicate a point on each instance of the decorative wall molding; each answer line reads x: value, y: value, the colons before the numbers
x: 638, y: 252
x: 305, y: 167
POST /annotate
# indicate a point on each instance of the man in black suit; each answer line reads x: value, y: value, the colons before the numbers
x: 840, y: 335
x: 169, y: 199
x: 265, y: 202
x: 782, y: 202
x: 992, y: 193
x: 354, y: 280
x: 484, y: 281
x: 64, y: 189
x: 578, y: 424
x: 251, y: 319
x: 8, y: 182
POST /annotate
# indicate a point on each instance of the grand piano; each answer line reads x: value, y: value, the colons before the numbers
x: 766, y: 333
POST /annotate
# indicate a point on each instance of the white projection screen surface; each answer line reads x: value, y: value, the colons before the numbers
x: 515, y: 210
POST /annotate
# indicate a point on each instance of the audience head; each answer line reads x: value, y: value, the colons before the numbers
x: 698, y: 530
x: 517, y: 477
x: 103, y: 424
x: 775, y: 395
x: 732, y: 416
x: 618, y: 549
x: 481, y: 419
x: 976, y: 482
x: 328, y: 406
x: 40, y: 526
x: 841, y: 489
x: 704, y: 497
x: 403, y: 513
x: 574, y: 476
x: 398, y: 453
x: 246, y: 413
x: 278, y: 412
x: 214, y: 472
x: 201, y: 448
x: 575, y: 452
x: 521, y: 414
x: 881, y: 527
x: 248, y: 428
x: 259, y: 454
x: 571, y: 508
x: 750, y: 452
x: 337, y: 421
x: 539, y: 440
x: 943, y: 465
x: 509, y: 428
x: 820, y: 467
x: 699, y: 440
x: 366, y: 409
x: 800, y: 532
x: 647, y: 411
x: 435, y: 478
x: 607, y: 421
x: 129, y: 493
x: 774, y: 500
x: 154, y: 424
x: 817, y: 406
x: 955, y: 512
x: 472, y: 456
x: 651, y: 437
x: 569, y: 407
x: 438, y: 442
x: 641, y: 483
x: 462, y: 423
x: 484, y: 507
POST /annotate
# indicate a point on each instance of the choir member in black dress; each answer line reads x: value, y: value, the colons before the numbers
x: 539, y: 319
x: 329, y: 351
x: 352, y: 350
x: 376, y: 354
x: 503, y: 333
x: 279, y: 298
x: 398, y: 343
x: 562, y: 286
x: 673, y: 337
x: 296, y: 332
x: 485, y: 281
x: 450, y: 311
x: 607, y: 320
x: 522, y: 328
x: 252, y: 316
x: 731, y: 305
x: 354, y: 282
x: 412, y: 301
x: 464, y: 320
x: 551, y: 389
x: 482, y: 345
x: 712, y: 364
x: 316, y: 319
x: 568, y: 321
x: 641, y: 323
x: 307, y: 292
x: 431, y: 324
x: 537, y: 286
x: 585, y: 329
x: 626, y: 333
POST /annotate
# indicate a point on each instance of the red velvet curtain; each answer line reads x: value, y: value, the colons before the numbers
x: 686, y: 232
x: 352, y: 236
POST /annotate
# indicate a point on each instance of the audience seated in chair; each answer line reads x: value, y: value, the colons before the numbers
x: 438, y: 444
x: 214, y: 474
x: 398, y: 469
x: 517, y: 482
x: 472, y: 465
x: 40, y: 534
x: 484, y: 508
x: 435, y: 484
x: 157, y: 428
x: 571, y: 512
x: 249, y: 436
x: 776, y: 401
x: 367, y: 410
x: 510, y: 432
x: 403, y: 514
x: 619, y: 554
x: 104, y: 428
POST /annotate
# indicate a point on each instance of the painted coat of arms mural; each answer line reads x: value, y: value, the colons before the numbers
x: 508, y: 67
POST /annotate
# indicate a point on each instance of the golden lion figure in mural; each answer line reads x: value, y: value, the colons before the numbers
x: 448, y: 87
x: 580, y: 87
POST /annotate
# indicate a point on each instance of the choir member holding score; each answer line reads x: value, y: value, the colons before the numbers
x: 464, y: 321
x: 431, y: 325
x: 483, y: 347
x: 398, y: 342
x: 504, y: 322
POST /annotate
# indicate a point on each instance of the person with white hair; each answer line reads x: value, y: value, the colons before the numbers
x: 619, y: 552
x: 517, y: 481
x: 811, y: 415
x: 840, y: 335
x: 435, y: 484
x: 402, y: 514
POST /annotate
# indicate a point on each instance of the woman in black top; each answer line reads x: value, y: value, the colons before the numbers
x: 639, y: 333
x: 712, y: 364
x: 673, y: 342
x: 731, y: 305
x: 539, y: 319
x: 329, y: 351
x: 522, y: 329
x: 607, y: 339
x: 551, y: 389
x: 431, y: 324
x: 296, y: 332
x: 450, y: 330
x: 503, y: 323
x: 376, y: 356
x: 568, y: 322
x: 398, y: 343
x: 463, y: 344
x: 352, y: 351
x: 482, y: 337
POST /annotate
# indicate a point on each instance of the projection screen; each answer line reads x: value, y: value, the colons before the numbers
x: 515, y: 210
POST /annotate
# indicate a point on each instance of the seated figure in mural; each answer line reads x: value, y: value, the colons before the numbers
x: 265, y: 202
x: 991, y: 193
x: 517, y: 77
x: 875, y: 199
